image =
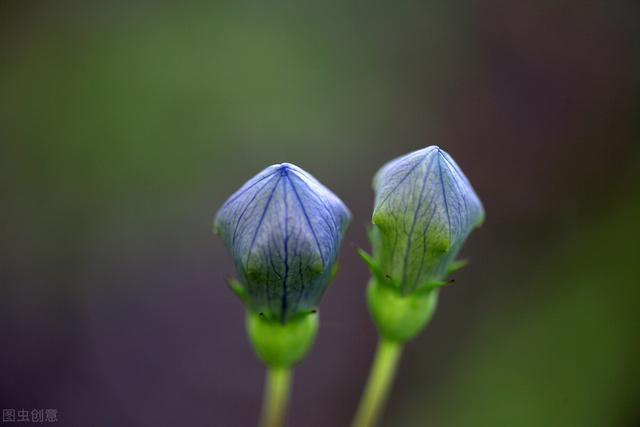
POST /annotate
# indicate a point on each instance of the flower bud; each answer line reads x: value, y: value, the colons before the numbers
x: 284, y: 230
x: 424, y: 210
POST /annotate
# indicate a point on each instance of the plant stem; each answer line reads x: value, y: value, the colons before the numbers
x: 379, y: 383
x: 276, y: 396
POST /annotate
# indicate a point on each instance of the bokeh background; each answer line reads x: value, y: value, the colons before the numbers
x: 124, y: 126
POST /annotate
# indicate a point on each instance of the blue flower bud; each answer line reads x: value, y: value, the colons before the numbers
x: 283, y: 229
x: 424, y: 210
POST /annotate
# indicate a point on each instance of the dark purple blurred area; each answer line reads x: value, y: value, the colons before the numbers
x: 124, y: 128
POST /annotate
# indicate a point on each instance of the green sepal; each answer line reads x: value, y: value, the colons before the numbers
x: 382, y: 278
x: 280, y: 344
x: 332, y: 273
x: 436, y: 284
x: 432, y: 285
x: 238, y: 289
x: 399, y: 317
x: 456, y: 266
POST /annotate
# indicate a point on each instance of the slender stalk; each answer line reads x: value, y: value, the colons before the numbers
x: 379, y: 383
x: 276, y: 396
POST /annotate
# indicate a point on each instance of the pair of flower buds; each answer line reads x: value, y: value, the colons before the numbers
x: 284, y: 230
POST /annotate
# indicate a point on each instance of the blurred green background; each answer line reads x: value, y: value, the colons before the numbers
x: 124, y: 126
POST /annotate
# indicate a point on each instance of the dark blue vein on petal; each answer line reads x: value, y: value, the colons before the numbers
x: 306, y: 216
x: 264, y: 212
x: 302, y: 282
x: 413, y: 224
x: 424, y: 244
x: 244, y: 210
x: 324, y: 205
x: 466, y: 183
x: 244, y: 190
x: 395, y: 187
x: 444, y: 195
x: 338, y: 227
x: 285, y: 290
x: 273, y: 269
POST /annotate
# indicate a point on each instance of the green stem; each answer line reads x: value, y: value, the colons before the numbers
x: 379, y: 383
x: 276, y: 396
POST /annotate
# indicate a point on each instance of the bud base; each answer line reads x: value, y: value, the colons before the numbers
x: 398, y: 317
x: 282, y: 344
